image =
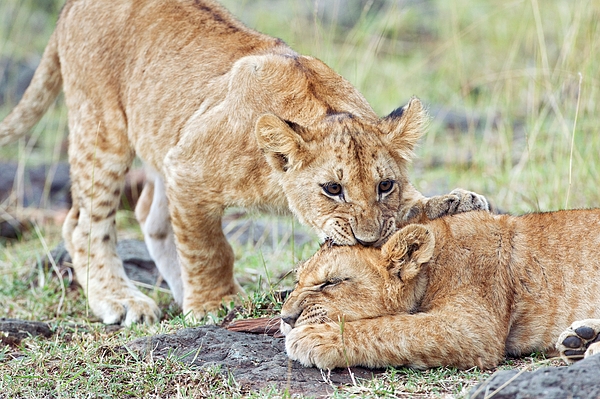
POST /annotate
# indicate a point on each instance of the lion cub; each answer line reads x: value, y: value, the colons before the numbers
x: 225, y: 116
x: 460, y: 291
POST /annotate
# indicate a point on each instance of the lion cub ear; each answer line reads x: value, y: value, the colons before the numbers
x: 284, y: 148
x: 409, y: 248
x: 404, y: 127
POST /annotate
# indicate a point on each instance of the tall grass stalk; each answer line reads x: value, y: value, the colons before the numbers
x: 573, y: 141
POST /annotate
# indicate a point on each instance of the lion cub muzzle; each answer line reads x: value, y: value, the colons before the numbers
x: 296, y: 311
x: 290, y: 319
x: 372, y: 232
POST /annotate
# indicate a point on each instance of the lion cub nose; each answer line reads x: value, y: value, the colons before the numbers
x: 289, y: 319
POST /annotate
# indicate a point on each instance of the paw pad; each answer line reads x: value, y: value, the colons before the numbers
x: 573, y: 343
x: 585, y: 332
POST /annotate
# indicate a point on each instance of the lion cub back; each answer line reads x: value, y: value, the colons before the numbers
x: 557, y: 273
x: 543, y: 269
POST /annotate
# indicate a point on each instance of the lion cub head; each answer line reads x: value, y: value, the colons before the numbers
x: 352, y: 283
x: 342, y: 175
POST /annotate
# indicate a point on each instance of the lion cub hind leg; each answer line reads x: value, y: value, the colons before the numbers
x: 580, y: 340
x: 99, y: 159
x: 152, y: 212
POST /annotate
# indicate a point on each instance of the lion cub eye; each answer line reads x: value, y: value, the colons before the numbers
x: 332, y: 188
x: 332, y: 282
x: 385, y: 186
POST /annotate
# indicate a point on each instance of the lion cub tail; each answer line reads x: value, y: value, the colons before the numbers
x: 43, y: 89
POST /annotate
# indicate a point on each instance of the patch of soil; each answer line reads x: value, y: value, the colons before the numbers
x: 255, y: 360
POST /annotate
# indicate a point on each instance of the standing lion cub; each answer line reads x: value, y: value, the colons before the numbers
x: 462, y: 291
x: 225, y: 116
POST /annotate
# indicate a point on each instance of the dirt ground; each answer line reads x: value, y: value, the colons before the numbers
x: 256, y: 361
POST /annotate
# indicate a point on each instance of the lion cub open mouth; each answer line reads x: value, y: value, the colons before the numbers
x: 460, y: 291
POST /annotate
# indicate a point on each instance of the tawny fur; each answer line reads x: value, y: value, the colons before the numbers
x: 224, y: 116
x: 460, y: 291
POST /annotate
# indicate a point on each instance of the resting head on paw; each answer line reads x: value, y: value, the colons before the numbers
x: 354, y: 283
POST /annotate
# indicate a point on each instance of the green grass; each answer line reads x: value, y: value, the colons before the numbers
x: 527, y: 69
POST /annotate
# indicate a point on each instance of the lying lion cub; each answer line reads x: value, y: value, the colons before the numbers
x: 226, y: 116
x: 461, y: 291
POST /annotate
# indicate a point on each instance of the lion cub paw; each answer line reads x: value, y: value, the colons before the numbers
x: 127, y: 307
x: 580, y: 340
x: 208, y: 312
x: 458, y: 201
x: 316, y: 345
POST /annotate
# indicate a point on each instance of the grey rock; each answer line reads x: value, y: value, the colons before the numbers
x: 255, y: 361
x: 138, y: 264
x: 15, y: 76
x: 578, y: 381
x: 43, y: 186
x: 21, y: 329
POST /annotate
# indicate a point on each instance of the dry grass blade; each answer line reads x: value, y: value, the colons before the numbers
x: 263, y: 325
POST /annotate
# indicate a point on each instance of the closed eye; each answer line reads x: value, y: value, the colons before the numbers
x: 332, y: 282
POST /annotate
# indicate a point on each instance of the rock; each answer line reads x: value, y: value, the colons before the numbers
x: 138, y: 264
x: 23, y: 329
x: 255, y: 361
x: 13, y: 331
x: 11, y: 227
x: 41, y: 186
x: 580, y: 380
x: 42, y: 193
x: 15, y: 76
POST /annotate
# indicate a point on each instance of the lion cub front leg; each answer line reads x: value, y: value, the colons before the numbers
x: 458, y: 201
x: 205, y: 256
x: 420, y: 341
x: 581, y: 339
